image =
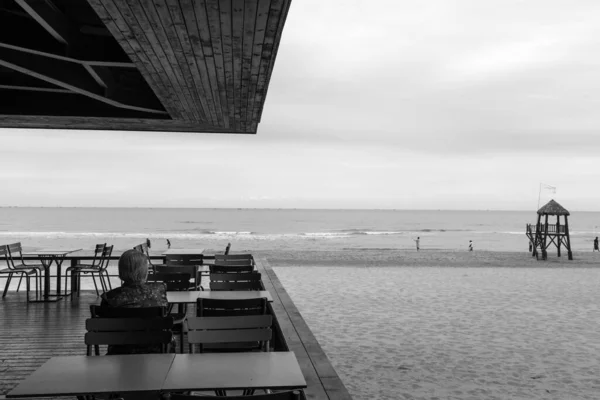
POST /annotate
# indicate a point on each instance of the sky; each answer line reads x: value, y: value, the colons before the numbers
x: 462, y: 104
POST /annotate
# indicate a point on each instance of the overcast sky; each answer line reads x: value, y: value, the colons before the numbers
x: 463, y: 104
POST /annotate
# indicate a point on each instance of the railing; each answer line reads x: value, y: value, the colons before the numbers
x: 552, y: 228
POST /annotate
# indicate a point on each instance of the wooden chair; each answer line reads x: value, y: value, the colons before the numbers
x: 239, y: 281
x: 225, y: 269
x: 287, y: 395
x: 22, y: 270
x: 230, y: 308
x: 100, y: 269
x: 125, y: 335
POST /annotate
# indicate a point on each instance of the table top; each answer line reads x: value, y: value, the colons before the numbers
x: 211, y: 371
x: 191, y: 296
x: 74, y: 375
x: 51, y: 252
x: 183, y: 252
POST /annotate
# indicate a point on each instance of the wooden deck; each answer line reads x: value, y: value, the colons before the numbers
x: 32, y: 333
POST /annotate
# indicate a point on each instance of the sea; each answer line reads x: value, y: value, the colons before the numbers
x: 280, y: 229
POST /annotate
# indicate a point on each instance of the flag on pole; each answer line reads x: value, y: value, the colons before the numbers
x: 551, y: 189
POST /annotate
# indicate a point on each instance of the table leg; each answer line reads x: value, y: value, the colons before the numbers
x: 46, y: 262
x: 58, y: 262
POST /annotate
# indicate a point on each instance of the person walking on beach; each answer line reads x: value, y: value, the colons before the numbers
x: 168, y: 243
x: 417, y: 240
x: 596, y: 244
x: 148, y: 243
x: 470, y: 245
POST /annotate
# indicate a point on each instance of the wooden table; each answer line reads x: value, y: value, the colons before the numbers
x: 80, y: 375
x: 47, y: 257
x: 235, y: 371
x: 191, y: 296
x: 183, y: 252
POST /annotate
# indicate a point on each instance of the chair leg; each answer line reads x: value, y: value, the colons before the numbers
x: 108, y: 280
x: 27, y: 285
x: 102, y: 283
x: 67, y: 271
x: 95, y: 286
x: 7, y: 284
x: 19, y: 285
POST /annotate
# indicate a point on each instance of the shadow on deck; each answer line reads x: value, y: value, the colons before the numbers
x: 32, y: 333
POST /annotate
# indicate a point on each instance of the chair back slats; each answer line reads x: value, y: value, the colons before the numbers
x: 234, y: 263
x: 230, y: 336
x: 240, y: 277
x: 15, y: 251
x: 221, y: 269
x: 233, y: 257
x: 153, y: 331
x: 236, y: 286
x: 226, y: 323
x: 174, y: 281
x: 289, y: 395
x: 128, y: 338
x: 122, y: 312
x: 230, y: 307
x: 172, y: 259
x: 4, y: 251
x: 98, y: 255
x: 105, y: 260
x: 242, y: 331
x: 128, y: 324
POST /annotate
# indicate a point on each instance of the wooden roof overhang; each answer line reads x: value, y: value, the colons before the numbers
x: 162, y: 65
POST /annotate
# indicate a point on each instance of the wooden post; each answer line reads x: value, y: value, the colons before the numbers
x: 537, y: 237
x: 558, y: 236
x: 568, y: 245
x: 544, y: 239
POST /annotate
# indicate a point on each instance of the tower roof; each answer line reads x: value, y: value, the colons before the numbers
x: 553, y: 208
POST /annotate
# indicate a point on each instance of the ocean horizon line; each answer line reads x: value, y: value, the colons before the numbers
x: 284, y: 209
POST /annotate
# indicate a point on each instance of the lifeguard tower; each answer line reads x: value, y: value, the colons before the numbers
x: 543, y: 234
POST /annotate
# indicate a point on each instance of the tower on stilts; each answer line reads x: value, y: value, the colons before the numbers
x: 547, y: 232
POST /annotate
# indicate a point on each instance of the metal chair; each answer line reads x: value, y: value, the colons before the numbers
x: 129, y: 335
x: 237, y: 281
x: 230, y: 307
x: 100, y: 270
x: 288, y: 395
x: 95, y: 264
x: 21, y: 269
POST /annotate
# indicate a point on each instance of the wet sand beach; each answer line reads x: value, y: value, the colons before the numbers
x: 473, y: 331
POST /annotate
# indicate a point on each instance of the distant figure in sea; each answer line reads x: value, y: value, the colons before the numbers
x: 470, y: 245
x: 417, y: 241
x: 148, y: 243
x: 168, y: 243
x: 596, y: 244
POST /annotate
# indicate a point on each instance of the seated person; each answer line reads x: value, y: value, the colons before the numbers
x: 135, y: 293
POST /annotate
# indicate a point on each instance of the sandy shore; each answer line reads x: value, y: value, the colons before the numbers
x: 432, y: 258
x: 528, y: 330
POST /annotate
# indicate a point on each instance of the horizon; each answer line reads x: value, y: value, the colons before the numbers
x: 297, y: 208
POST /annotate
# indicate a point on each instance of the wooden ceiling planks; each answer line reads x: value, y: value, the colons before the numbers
x: 208, y: 62
x: 215, y: 56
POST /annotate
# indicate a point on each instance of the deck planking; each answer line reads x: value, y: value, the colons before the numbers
x: 30, y: 334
